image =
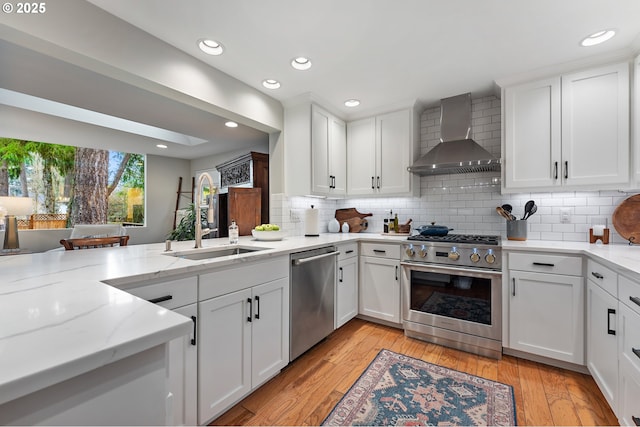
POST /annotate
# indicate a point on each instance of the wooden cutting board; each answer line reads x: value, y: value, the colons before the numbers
x: 347, y: 213
x: 626, y: 219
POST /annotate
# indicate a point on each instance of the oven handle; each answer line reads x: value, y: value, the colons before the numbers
x: 456, y: 270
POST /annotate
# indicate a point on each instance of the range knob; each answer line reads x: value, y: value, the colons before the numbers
x: 423, y: 251
x: 490, y: 257
x: 410, y: 252
x: 454, y: 254
x: 475, y: 256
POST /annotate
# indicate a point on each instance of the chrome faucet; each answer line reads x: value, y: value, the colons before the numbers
x: 198, y: 219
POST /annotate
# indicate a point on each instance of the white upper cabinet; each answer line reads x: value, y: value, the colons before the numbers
x: 568, y: 132
x: 314, y: 151
x: 329, y: 153
x: 379, y: 151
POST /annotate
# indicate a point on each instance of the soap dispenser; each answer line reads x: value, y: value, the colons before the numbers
x: 233, y: 233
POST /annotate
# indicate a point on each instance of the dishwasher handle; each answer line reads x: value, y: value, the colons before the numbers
x: 314, y: 258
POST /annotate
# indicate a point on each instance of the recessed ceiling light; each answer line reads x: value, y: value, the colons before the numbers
x: 210, y: 47
x: 161, y: 146
x: 271, y: 84
x: 301, y: 63
x: 351, y: 102
x: 597, y: 38
x: 231, y: 124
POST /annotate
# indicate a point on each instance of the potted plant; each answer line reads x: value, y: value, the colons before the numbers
x: 186, y: 229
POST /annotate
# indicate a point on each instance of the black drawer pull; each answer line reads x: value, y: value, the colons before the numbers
x: 635, y: 300
x: 160, y: 299
x: 610, y: 311
x: 636, y: 351
x: 636, y: 420
x: 379, y: 251
x: 350, y: 251
x: 597, y: 275
x: 195, y: 331
x: 544, y: 264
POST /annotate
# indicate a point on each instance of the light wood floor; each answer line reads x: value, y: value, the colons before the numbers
x: 305, y: 391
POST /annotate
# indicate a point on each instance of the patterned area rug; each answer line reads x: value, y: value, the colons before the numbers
x: 398, y: 390
x: 459, y: 307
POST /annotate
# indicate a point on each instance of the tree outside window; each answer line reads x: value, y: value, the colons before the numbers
x: 89, y: 186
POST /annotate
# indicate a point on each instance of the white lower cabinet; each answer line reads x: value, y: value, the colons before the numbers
x: 380, y: 281
x: 347, y: 284
x: 546, y: 309
x: 629, y: 356
x: 243, y: 337
x: 602, y: 341
x: 183, y: 372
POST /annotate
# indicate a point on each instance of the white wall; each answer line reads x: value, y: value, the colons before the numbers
x: 466, y: 202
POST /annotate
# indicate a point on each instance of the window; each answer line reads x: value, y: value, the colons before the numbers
x: 73, y: 185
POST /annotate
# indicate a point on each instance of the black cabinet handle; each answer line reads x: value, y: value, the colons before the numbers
x: 544, y: 264
x: 636, y: 351
x: 396, y: 273
x: 195, y: 330
x: 610, y: 311
x: 513, y: 293
x: 380, y: 251
x: 350, y: 251
x: 250, y: 310
x: 566, y: 170
x: 636, y: 420
x: 635, y: 300
x: 341, y: 274
x: 257, y: 316
x: 597, y: 275
x: 555, y: 173
x: 378, y: 182
x: 160, y: 299
x: 373, y: 183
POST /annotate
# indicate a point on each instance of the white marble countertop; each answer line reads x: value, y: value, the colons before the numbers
x: 60, y: 319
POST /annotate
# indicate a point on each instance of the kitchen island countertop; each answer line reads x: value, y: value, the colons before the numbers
x: 63, y: 314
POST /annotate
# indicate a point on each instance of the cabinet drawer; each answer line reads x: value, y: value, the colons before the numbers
x: 243, y: 276
x: 170, y: 294
x: 629, y: 339
x: 348, y: 251
x: 544, y: 263
x: 604, y: 277
x: 630, y: 294
x: 383, y: 250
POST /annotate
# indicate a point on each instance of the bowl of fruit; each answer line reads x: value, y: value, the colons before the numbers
x: 267, y: 232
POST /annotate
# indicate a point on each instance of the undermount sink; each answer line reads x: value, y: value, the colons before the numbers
x: 208, y: 253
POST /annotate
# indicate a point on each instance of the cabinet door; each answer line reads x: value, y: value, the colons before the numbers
x: 546, y: 314
x: 380, y: 288
x: 595, y: 126
x: 244, y: 206
x: 602, y: 342
x: 183, y: 372
x: 361, y: 156
x: 320, y: 131
x: 393, y: 153
x: 338, y: 156
x: 224, y: 353
x: 532, y: 134
x: 347, y: 291
x: 270, y: 330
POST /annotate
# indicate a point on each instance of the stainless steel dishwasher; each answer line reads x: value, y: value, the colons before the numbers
x: 313, y: 280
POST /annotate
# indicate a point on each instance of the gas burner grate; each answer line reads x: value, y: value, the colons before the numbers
x: 458, y: 238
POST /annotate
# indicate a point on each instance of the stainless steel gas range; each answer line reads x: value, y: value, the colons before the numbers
x: 452, y: 291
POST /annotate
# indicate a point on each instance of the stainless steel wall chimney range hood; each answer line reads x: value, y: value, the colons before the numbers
x: 456, y: 153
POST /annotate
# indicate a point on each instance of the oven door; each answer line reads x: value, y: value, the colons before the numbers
x: 457, y: 299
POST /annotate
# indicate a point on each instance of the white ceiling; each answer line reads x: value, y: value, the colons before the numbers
x: 386, y: 52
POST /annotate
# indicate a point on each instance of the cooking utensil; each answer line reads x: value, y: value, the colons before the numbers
x: 506, y: 215
x: 533, y: 210
x: 434, y: 230
x: 527, y: 208
x: 507, y: 207
x: 626, y: 219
